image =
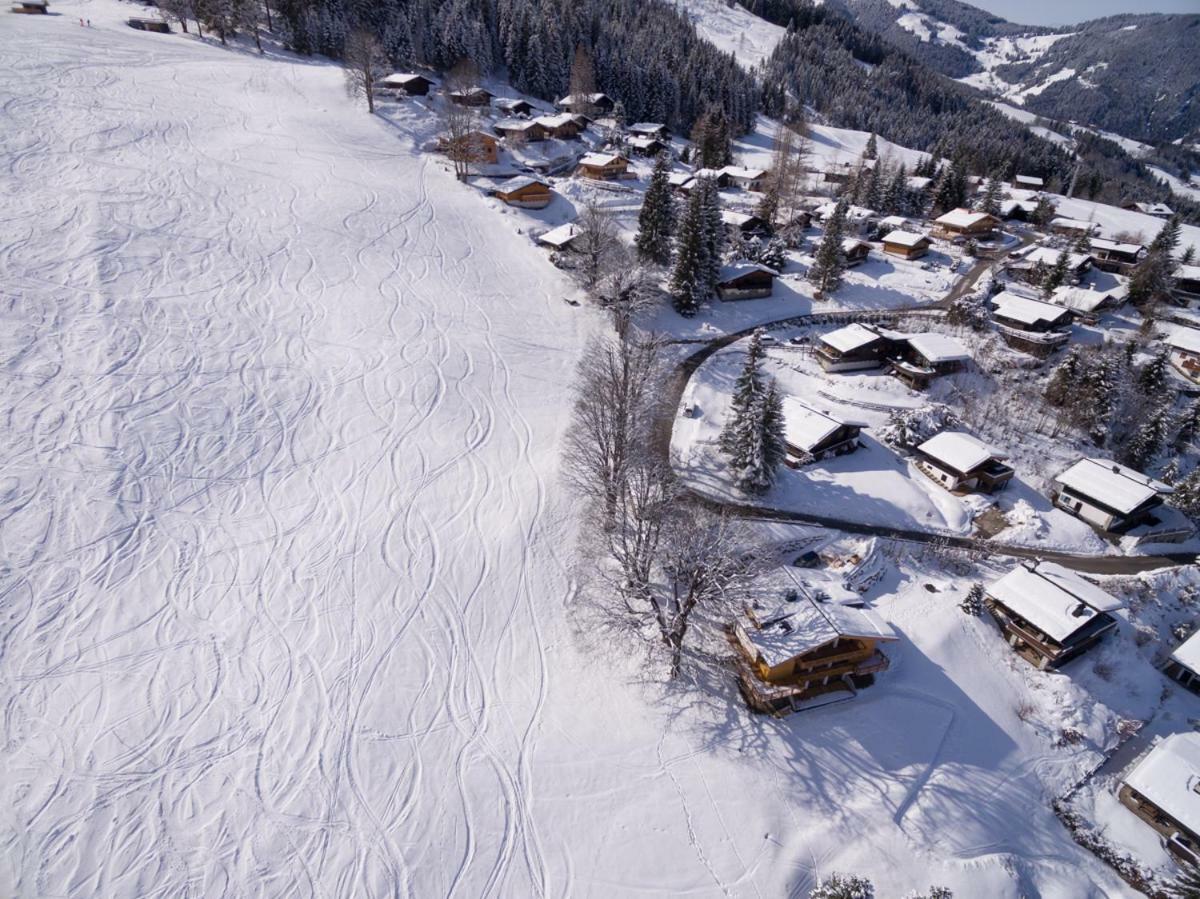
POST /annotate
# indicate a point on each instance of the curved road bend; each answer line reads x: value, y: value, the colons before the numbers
x: 676, y: 384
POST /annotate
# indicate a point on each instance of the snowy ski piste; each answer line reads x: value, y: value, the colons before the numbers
x: 286, y: 567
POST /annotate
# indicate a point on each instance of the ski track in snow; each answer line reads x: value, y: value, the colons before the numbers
x: 274, y: 506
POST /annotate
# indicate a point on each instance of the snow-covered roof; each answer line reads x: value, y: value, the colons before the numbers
x: 805, y: 427
x: 678, y: 179
x: 905, y: 238
x: 516, y: 124
x: 1111, y: 246
x: 512, y: 185
x: 802, y: 626
x: 853, y: 213
x: 1187, y: 653
x: 582, y: 98
x: 1113, y: 485
x: 737, y: 269
x: 958, y: 451
x: 1086, y: 299
x: 509, y: 102
x: 1029, y: 181
x: 850, y: 244
x: 1072, y: 224
x: 1187, y: 273
x: 893, y: 222
x: 1169, y: 776
x: 918, y: 182
x: 743, y: 173
x: 600, y: 159
x: 1056, y: 601
x: 646, y: 127
x: 1049, y: 256
x: 961, y: 218
x: 937, y: 348
x: 561, y: 236
x: 1186, y: 339
x: 555, y: 121
x: 737, y: 219
x: 403, y: 78
x: 1154, y: 208
x: 1027, y: 311
x: 851, y: 337
x: 643, y: 143
x: 1008, y: 207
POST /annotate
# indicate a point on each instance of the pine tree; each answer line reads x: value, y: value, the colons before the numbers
x: 1064, y: 384
x: 1153, y: 376
x: 1147, y: 440
x: 656, y: 220
x: 688, y: 276
x: 1043, y: 212
x: 993, y: 194
x: 713, y: 232
x: 747, y: 393
x: 1186, y: 497
x: 972, y: 603
x: 827, y: 267
x: 843, y: 886
x: 1057, y: 274
x: 1187, y: 884
x: 872, y: 149
x: 895, y: 196
x: 1187, y: 426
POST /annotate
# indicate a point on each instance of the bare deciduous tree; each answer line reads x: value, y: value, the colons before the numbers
x: 597, y: 243
x: 366, y: 62
x: 460, y: 123
x: 626, y: 292
x: 645, y: 498
x: 180, y: 10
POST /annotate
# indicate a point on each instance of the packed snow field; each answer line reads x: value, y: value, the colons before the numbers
x: 285, y: 591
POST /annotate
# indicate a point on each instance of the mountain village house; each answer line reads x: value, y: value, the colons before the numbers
x: 590, y: 105
x: 1088, y: 303
x: 1185, y: 352
x: 1028, y: 182
x: 1187, y: 282
x: 1161, y: 790
x: 746, y: 179
x: 603, y: 166
x: 855, y: 251
x: 524, y: 193
x: 1120, y: 258
x: 645, y: 146
x: 1017, y: 210
x: 649, y: 129
x: 806, y: 649
x: 1028, y: 265
x: 561, y: 126
x: 1049, y: 614
x: 1031, y: 325
x: 1158, y: 210
x: 475, y: 97
x: 1107, y: 495
x: 514, y: 129
x: 906, y: 244
x: 410, y: 82
x: 961, y: 463
x: 1183, y: 665
x: 963, y: 224
x: 919, y: 358
x: 743, y: 224
x: 1069, y: 227
x: 745, y: 281
x: 560, y: 239
x: 30, y: 7
x: 813, y: 435
x: 855, y: 347
x: 513, y: 107
x: 478, y: 147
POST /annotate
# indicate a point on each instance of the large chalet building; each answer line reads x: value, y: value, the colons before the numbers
x: 812, y: 435
x: 1161, y: 790
x: 1109, y: 496
x: 962, y: 463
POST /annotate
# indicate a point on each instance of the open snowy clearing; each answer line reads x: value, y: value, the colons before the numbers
x: 284, y: 567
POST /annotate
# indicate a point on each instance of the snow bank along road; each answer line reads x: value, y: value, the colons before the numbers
x: 275, y: 507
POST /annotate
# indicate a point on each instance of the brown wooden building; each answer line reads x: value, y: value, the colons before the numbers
x: 745, y: 281
x: 906, y: 244
x: 1161, y: 790
x: 524, y: 193
x: 603, y: 166
x: 960, y: 463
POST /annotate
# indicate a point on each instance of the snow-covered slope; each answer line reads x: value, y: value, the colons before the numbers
x: 733, y: 29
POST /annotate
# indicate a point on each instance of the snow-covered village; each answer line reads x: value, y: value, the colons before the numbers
x: 612, y: 448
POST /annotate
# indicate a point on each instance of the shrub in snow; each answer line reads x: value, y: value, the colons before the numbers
x: 843, y: 886
x: 908, y: 428
x: 933, y: 893
x: 972, y: 603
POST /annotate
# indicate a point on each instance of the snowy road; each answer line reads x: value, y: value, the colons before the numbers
x: 275, y: 513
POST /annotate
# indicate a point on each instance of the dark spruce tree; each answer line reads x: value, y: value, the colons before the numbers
x: 657, y: 218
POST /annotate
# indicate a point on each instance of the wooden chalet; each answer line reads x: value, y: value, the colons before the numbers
x: 920, y: 358
x: 561, y: 238
x: 514, y: 107
x: 140, y: 23
x: 524, y: 193
x: 1109, y: 496
x: 1027, y: 265
x: 716, y: 176
x: 745, y: 281
x: 1088, y: 303
x: 855, y: 251
x: 560, y: 127
x: 1183, y: 665
x: 1069, y: 227
x: 1029, y: 182
x: 918, y: 183
x: 744, y: 224
x: 746, y: 179
x: 1120, y: 258
x: 1185, y: 352
x: 513, y: 129
x: 1031, y: 325
x: 31, y: 7
x: 474, y: 97
x: 681, y: 182
x: 963, y: 464
x: 1017, y: 210
x: 961, y: 224
x: 906, y: 244
x: 805, y: 650
x: 412, y: 83
x: 603, y: 166
x: 650, y: 129
x: 855, y: 347
x: 478, y: 147
x: 812, y: 435
x: 590, y: 105
x: 1187, y: 283
x: 1161, y: 790
x: 646, y: 146
x: 1049, y: 614
x: 1158, y: 210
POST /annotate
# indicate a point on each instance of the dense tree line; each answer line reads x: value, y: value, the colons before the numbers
x: 646, y: 56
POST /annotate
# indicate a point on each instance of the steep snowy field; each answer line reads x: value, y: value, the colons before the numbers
x: 284, y: 569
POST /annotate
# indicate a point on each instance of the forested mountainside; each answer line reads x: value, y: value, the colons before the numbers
x: 1135, y: 75
x: 646, y: 55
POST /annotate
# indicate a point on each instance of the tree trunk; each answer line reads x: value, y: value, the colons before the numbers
x: 199, y: 30
x: 257, y: 42
x: 270, y: 26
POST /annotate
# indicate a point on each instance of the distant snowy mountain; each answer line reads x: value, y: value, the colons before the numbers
x: 1135, y: 75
